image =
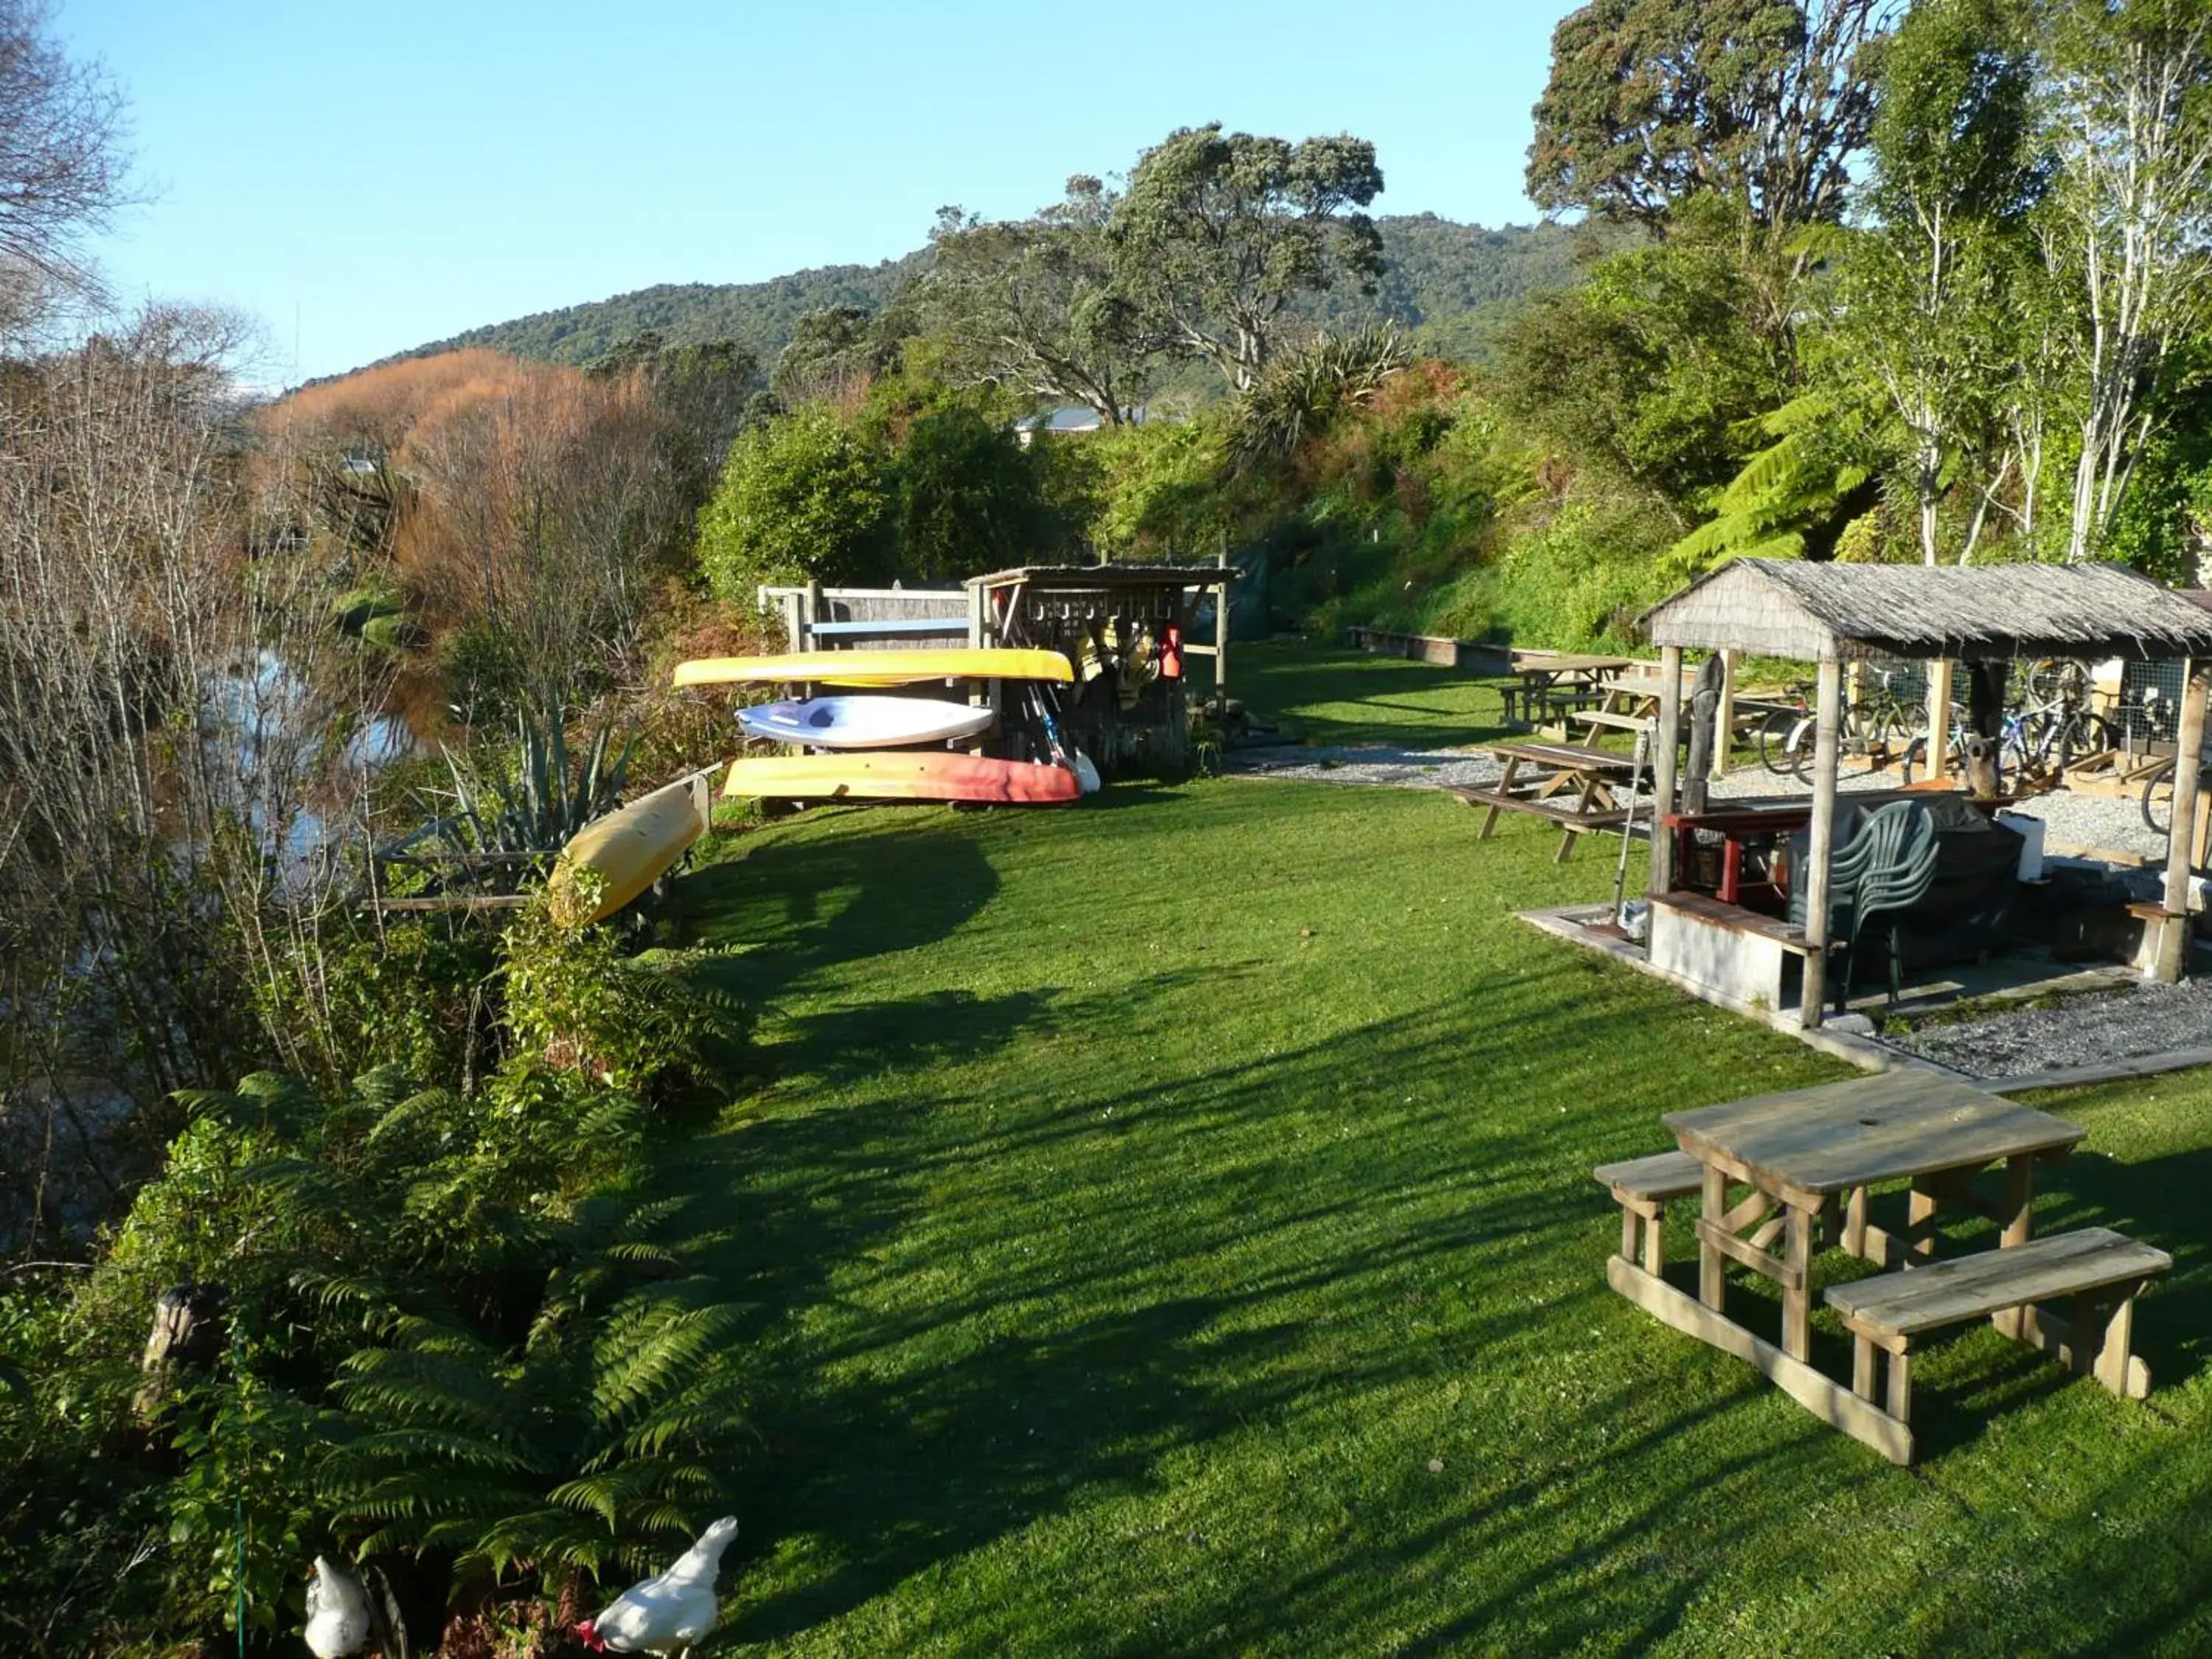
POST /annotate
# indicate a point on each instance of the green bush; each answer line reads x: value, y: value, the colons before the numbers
x: 457, y: 1325
x: 1584, y: 577
x: 802, y: 496
x: 645, y: 1023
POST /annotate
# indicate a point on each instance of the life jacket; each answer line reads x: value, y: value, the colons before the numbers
x: 1171, y: 652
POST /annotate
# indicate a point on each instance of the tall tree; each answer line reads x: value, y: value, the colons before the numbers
x: 1650, y: 101
x: 706, y: 387
x: 1650, y: 370
x: 1217, y: 234
x: 2130, y: 112
x: 61, y: 160
x: 836, y: 352
x: 1923, y: 323
x: 1031, y: 304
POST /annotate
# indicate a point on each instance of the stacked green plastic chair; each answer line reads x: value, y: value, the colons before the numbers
x: 1883, y: 870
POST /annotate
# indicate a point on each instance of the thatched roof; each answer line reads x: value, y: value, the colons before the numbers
x: 1786, y: 608
x: 1091, y: 577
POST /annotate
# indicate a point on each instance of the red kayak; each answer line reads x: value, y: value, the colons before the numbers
x: 901, y: 777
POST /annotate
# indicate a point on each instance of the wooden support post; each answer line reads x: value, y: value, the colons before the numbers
x: 1221, y: 633
x: 1712, y: 1276
x: 2112, y: 1363
x: 810, y: 614
x: 1798, y: 1298
x: 1724, y: 717
x: 2189, y: 744
x: 1939, y: 715
x: 1920, y: 1224
x: 1820, y: 846
x: 2018, y: 1201
x: 1900, y: 1387
x: 1665, y: 763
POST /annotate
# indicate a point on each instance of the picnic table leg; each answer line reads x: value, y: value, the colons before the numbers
x: 1582, y: 808
x: 2018, y: 1218
x: 1712, y: 1283
x: 1797, y: 1291
x: 1504, y: 788
x: 1920, y: 1224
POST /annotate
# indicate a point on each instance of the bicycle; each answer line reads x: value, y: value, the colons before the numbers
x: 2054, y: 723
x: 1879, y: 725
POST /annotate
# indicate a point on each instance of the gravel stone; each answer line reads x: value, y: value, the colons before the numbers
x: 2094, y: 1028
x: 1368, y: 763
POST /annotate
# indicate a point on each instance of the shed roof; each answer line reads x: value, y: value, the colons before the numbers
x: 1788, y: 607
x: 1091, y: 577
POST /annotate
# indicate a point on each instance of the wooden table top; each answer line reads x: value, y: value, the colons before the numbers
x: 1570, y: 756
x: 1566, y: 663
x: 1867, y: 1130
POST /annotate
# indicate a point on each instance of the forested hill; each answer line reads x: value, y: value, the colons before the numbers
x: 1445, y: 280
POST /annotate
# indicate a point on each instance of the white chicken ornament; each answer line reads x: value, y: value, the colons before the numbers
x: 665, y: 1615
x: 338, y: 1621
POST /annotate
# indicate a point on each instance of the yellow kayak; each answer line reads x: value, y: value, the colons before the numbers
x: 629, y: 848
x: 878, y: 667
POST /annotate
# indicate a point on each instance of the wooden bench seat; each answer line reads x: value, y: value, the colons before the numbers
x: 1558, y: 809
x: 1642, y: 1187
x: 2099, y: 1270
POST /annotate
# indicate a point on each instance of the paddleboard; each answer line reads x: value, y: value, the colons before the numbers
x: 631, y: 848
x: 864, y: 722
x: 912, y: 776
x: 878, y: 667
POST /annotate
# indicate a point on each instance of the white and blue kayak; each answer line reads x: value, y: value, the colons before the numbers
x: 864, y: 722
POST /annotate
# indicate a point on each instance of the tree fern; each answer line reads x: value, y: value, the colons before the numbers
x: 1797, y: 482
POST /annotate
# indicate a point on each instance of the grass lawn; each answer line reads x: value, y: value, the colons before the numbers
x: 1170, y: 1230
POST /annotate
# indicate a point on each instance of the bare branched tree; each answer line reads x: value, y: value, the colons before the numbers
x: 61, y: 162
x: 171, y: 722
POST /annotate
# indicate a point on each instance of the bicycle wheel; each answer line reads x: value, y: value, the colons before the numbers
x: 1785, y: 742
x: 2083, y: 734
x: 1878, y: 727
x: 2157, y: 807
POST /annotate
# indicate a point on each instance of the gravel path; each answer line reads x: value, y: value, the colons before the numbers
x: 2100, y: 822
x: 2105, y: 823
x: 2092, y: 1028
x: 1370, y: 764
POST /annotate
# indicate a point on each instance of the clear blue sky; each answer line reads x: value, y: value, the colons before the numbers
x: 397, y: 172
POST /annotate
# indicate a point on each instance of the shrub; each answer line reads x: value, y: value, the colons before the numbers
x: 643, y: 1022
x: 804, y: 495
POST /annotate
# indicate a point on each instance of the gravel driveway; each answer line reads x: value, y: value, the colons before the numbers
x: 1370, y: 763
x: 2096, y: 1027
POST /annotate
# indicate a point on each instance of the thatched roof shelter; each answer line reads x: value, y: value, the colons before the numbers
x: 1832, y: 613
x: 1828, y: 612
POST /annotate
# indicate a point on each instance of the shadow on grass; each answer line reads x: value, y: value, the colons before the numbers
x: 1210, y: 1252
x: 1331, y: 696
x: 803, y: 905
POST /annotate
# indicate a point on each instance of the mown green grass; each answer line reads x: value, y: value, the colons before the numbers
x: 1169, y: 1228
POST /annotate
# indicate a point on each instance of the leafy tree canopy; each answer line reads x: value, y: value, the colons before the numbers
x: 1032, y: 305
x: 801, y: 496
x: 1650, y: 101
x: 1650, y: 367
x: 1219, y: 233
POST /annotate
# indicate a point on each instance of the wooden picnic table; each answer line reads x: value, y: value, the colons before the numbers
x: 1807, y: 1158
x: 1554, y: 682
x: 1563, y: 783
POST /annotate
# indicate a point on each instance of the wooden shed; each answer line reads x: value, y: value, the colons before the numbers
x: 1832, y: 613
x: 1134, y: 633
